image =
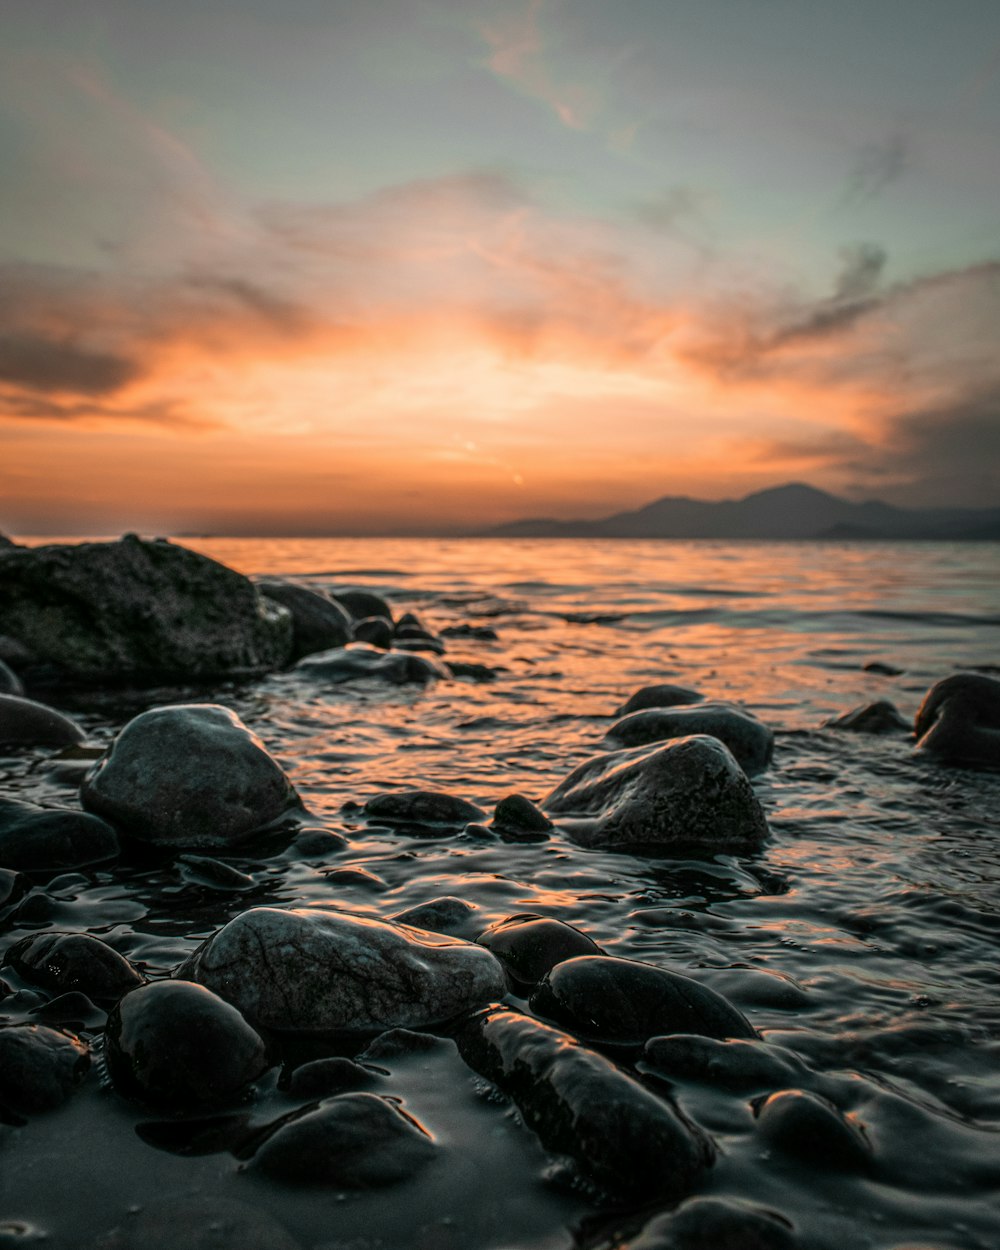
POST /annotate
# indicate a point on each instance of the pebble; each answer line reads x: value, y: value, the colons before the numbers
x: 530, y: 946
x: 60, y: 962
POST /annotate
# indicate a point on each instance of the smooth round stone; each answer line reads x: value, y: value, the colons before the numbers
x: 881, y: 717
x: 375, y: 630
x: 812, y: 1130
x: 188, y: 776
x: 314, y: 970
x: 663, y: 695
x: 322, y: 1078
x: 39, y: 1067
x: 318, y: 621
x: 441, y: 915
x: 959, y: 720
x: 740, y: 1065
x: 716, y: 1224
x: 353, y: 1141
x: 10, y: 683
x: 517, y: 819
x: 359, y: 662
x: 23, y: 722
x: 421, y: 807
x: 688, y: 794
x: 603, y: 999
x: 363, y: 603
x: 750, y: 741
x: 60, y: 962
x: 173, y: 1043
x: 52, y: 839
x: 882, y: 669
x: 529, y: 946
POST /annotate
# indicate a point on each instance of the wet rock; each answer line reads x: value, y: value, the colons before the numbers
x: 663, y: 695
x: 603, y: 999
x: 421, y: 807
x: 474, y: 672
x: 360, y: 604
x: 959, y: 720
x: 59, y: 962
x: 50, y: 839
x: 213, y: 874
x: 688, y: 793
x: 356, y: 876
x: 353, y: 1141
x: 188, y: 776
x: 318, y: 843
x: 883, y: 669
x: 193, y: 1223
x: 375, y: 630
x: 750, y: 742
x: 530, y: 946
x: 400, y: 1044
x: 10, y: 683
x: 39, y: 1067
x: 517, y: 819
x: 13, y: 887
x: 629, y: 1142
x: 72, y: 1010
x: 23, y: 722
x: 881, y: 717
x: 322, y: 1078
x: 716, y: 1224
x: 175, y: 1044
x: 318, y: 621
x: 308, y: 969
x: 479, y: 633
x: 413, y: 642
x: 440, y: 915
x: 136, y: 612
x: 740, y: 1065
x: 812, y: 1130
x: 358, y: 662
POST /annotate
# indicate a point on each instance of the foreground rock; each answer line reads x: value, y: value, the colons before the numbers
x: 690, y: 793
x: 39, y: 1067
x: 662, y: 695
x: 174, y: 1044
x: 602, y: 999
x: 52, y: 839
x: 64, y: 962
x: 360, y: 661
x: 352, y: 1141
x: 750, y: 741
x: 23, y: 722
x: 628, y: 1141
x: 959, y: 720
x: 715, y: 1224
x: 135, y: 612
x: 188, y: 776
x: 318, y: 622
x: 811, y: 1130
x: 530, y: 946
x: 311, y: 970
x: 881, y: 717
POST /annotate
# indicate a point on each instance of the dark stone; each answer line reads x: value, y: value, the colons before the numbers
x: 688, y: 793
x: 959, y: 720
x: 318, y: 621
x: 421, y: 807
x: 474, y: 672
x: 59, y: 962
x: 188, y: 776
x: 51, y: 839
x: 751, y: 743
x: 400, y: 1044
x: 664, y: 695
x: 353, y: 1141
x: 884, y: 670
x: 410, y: 623
x: 741, y: 1065
x: 136, y: 612
x: 39, y: 1067
x: 375, y: 630
x: 530, y: 946
x: 631, y: 1143
x: 13, y: 885
x: 882, y: 717
x: 10, y: 683
x: 603, y: 999
x: 72, y: 1010
x: 715, y: 1224
x: 414, y: 642
x: 360, y: 604
x: 812, y: 1130
x: 517, y: 819
x: 23, y: 722
x: 359, y: 662
x: 175, y: 1044
x: 440, y: 915
x: 318, y: 843
x: 321, y: 1078
x: 356, y: 876
x: 314, y: 970
x: 193, y: 1223
x: 213, y: 874
x: 479, y: 633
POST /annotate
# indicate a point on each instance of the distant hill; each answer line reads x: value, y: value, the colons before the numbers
x: 792, y: 511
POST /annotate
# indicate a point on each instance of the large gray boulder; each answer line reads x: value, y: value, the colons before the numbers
x: 312, y: 970
x: 688, y: 794
x: 959, y: 720
x: 318, y: 622
x: 750, y: 741
x: 187, y: 776
x: 23, y: 722
x: 135, y: 612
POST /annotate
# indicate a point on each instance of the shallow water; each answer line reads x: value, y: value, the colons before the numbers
x: 863, y: 938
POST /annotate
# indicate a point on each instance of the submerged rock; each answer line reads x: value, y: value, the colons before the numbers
x: 750, y: 741
x: 715, y: 1224
x: 322, y: 1078
x: 881, y: 717
x: 517, y: 819
x: 529, y: 946
x: 39, y: 1067
x: 188, y: 776
x: 352, y: 1141
x: 51, y: 839
x: 313, y: 970
x: 441, y: 915
x: 360, y: 661
x: 959, y: 720
x: 628, y: 1141
x: 602, y: 999
x: 375, y: 630
x: 176, y: 1044
x: 663, y: 695
x: 421, y: 807
x: 60, y: 962
x: 689, y: 793
x: 740, y: 1065
x: 23, y: 722
x: 10, y: 683
x: 318, y: 621
x: 360, y: 604
x: 138, y: 612
x: 812, y: 1130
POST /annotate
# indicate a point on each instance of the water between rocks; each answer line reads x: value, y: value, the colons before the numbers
x: 863, y: 938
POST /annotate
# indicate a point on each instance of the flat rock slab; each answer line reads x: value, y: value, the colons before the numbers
x: 750, y: 741
x: 690, y: 793
x: 135, y: 612
x: 314, y: 970
x: 187, y: 776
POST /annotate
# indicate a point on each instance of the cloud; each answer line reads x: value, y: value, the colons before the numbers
x: 877, y: 166
x: 43, y: 364
x: 862, y: 266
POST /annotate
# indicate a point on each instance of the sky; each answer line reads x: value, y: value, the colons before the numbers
x: 415, y: 266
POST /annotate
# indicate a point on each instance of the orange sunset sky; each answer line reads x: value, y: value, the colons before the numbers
x: 402, y: 267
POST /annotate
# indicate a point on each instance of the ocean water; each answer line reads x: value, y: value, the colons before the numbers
x: 863, y: 937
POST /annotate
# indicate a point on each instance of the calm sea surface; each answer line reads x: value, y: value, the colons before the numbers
x: 864, y: 937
